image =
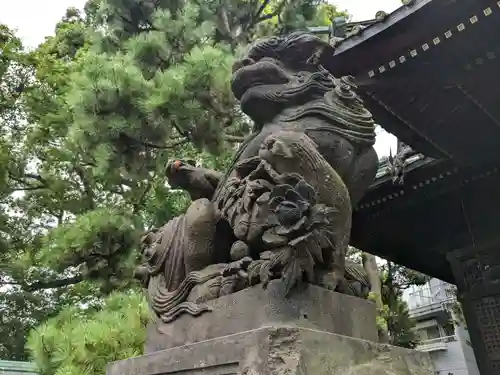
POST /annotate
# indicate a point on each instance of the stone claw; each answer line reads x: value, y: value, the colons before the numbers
x: 237, y: 267
x: 243, y: 274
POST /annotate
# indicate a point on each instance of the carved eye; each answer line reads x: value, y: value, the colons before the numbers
x: 247, y: 61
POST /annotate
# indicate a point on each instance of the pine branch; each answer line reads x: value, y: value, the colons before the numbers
x: 265, y: 3
x: 11, y: 283
x: 158, y: 147
x: 59, y: 216
x: 234, y: 138
x: 28, y: 175
x: 182, y: 133
x: 278, y: 10
x: 225, y: 29
x: 87, y: 187
x: 27, y: 185
x: 207, y: 100
x: 39, y: 285
x: 28, y: 188
x: 171, y: 146
x: 58, y: 283
x: 140, y: 202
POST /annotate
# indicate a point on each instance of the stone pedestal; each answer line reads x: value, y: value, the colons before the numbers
x: 311, y: 307
x: 257, y: 331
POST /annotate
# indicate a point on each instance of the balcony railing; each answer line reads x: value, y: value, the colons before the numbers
x: 440, y: 343
x: 428, y: 296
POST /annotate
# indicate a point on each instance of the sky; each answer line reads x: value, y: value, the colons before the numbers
x: 35, y: 19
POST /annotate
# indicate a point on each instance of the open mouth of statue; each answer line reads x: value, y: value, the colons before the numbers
x: 259, y: 74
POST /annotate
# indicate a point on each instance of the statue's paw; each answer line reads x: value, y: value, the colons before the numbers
x: 268, y: 267
x: 228, y: 285
x: 206, y: 291
x: 233, y: 284
x: 248, y: 166
x: 328, y: 280
x: 237, y: 267
x: 254, y: 272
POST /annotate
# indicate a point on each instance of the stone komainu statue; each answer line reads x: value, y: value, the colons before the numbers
x: 284, y: 207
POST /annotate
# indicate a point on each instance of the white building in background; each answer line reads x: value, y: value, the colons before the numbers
x: 441, y: 334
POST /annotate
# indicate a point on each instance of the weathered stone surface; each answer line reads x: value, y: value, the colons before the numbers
x: 283, y: 208
x: 279, y: 350
x: 253, y: 308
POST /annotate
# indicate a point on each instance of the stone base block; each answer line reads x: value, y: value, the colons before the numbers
x: 253, y: 308
x: 279, y: 350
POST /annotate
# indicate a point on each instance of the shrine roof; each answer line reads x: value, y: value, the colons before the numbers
x: 438, y: 209
x: 430, y: 74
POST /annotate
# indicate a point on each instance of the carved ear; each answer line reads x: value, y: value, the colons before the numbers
x: 281, y: 149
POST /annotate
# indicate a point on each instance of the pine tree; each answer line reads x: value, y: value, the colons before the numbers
x: 158, y: 76
x: 84, y: 339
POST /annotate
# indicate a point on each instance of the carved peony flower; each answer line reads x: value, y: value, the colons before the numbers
x: 291, y: 207
x: 298, y: 233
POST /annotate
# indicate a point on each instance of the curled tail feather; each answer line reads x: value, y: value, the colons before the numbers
x: 169, y: 305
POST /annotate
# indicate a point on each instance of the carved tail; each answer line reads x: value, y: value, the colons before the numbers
x: 169, y: 305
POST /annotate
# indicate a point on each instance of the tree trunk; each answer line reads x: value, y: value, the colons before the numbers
x: 371, y: 268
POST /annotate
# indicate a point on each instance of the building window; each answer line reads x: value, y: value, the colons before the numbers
x: 449, y: 329
x: 430, y: 333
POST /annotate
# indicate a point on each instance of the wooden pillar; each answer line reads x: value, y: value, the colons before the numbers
x: 477, y: 274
